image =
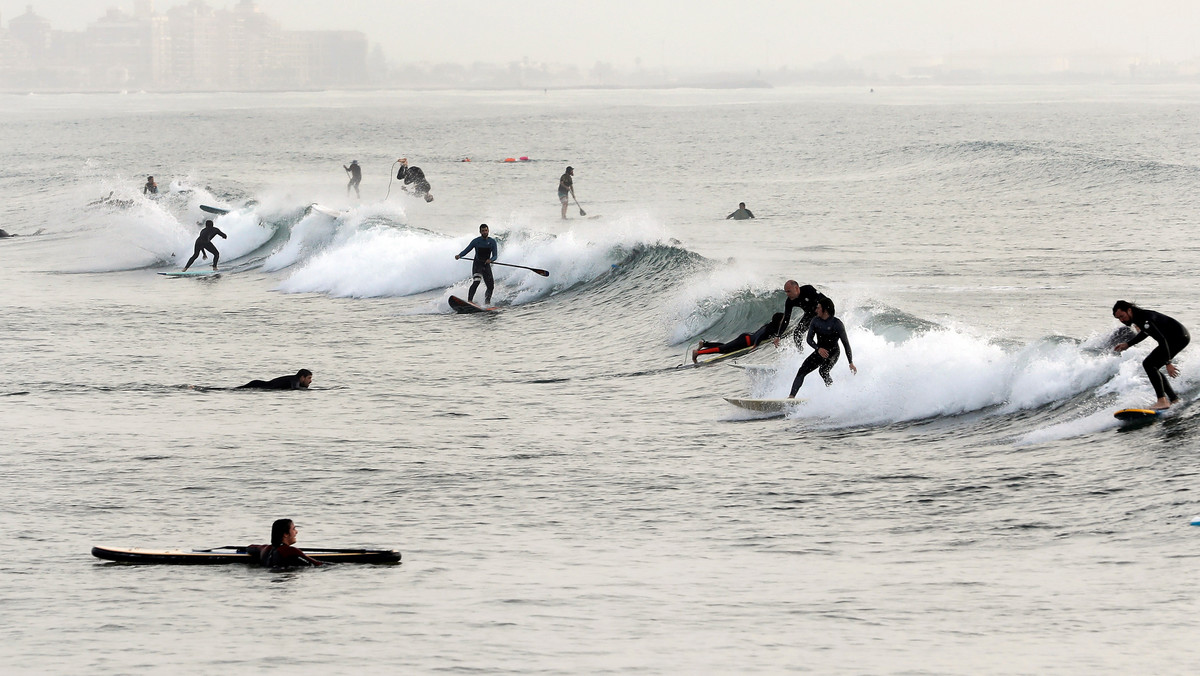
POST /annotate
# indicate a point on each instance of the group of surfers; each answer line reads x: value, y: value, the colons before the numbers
x: 823, y: 332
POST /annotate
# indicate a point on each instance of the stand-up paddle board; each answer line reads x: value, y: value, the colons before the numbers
x: 765, y: 405
x: 214, y: 210
x: 466, y: 307
x: 191, y: 273
x: 248, y: 554
x: 1134, y: 415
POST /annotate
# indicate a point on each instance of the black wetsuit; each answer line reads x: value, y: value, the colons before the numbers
x: 823, y: 333
x: 416, y: 178
x: 1172, y: 337
x: 204, y: 243
x: 355, y: 178
x: 486, y: 251
x: 806, y: 301
x: 4, y: 234
x: 743, y: 341
x: 741, y: 214
x: 283, y: 556
x: 280, y: 383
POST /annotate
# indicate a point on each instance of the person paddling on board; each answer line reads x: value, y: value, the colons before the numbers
x: 566, y: 187
x: 741, y: 214
x: 415, y: 177
x: 150, y: 188
x: 742, y: 342
x: 1171, y: 336
x: 281, y: 552
x: 803, y: 297
x: 300, y: 381
x: 355, y: 172
x: 823, y: 336
x: 486, y: 251
x: 204, y: 243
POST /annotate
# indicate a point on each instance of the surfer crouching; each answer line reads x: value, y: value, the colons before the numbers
x: 204, y: 243
x: 300, y: 381
x: 1171, y: 336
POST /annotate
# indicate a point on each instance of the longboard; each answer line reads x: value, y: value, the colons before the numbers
x: 214, y: 210
x: 1130, y: 415
x: 220, y: 555
x: 765, y: 405
x: 332, y: 213
x: 466, y: 307
x: 191, y: 273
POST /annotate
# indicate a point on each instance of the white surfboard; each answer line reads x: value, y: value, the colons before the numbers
x: 765, y: 405
x: 332, y: 213
x: 191, y: 273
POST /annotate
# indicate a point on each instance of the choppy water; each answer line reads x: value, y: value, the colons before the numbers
x: 565, y: 502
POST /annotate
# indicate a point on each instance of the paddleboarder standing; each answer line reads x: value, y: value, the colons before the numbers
x: 566, y: 187
x: 1171, y: 337
x: 355, y: 172
x: 486, y: 251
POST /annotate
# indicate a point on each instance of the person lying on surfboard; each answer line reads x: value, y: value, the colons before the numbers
x: 1171, y: 336
x: 204, y: 243
x: 486, y: 251
x: 300, y: 381
x: 742, y: 342
x: 803, y: 297
x: 280, y: 553
x: 823, y: 336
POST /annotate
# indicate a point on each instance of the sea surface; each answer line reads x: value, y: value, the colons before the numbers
x: 567, y: 501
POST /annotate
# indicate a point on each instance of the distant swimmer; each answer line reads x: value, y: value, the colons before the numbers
x: 281, y: 553
x: 741, y: 214
x: 742, y: 342
x: 204, y: 243
x: 823, y: 336
x: 300, y: 381
x: 566, y: 188
x: 416, y: 178
x: 355, y: 172
x: 486, y: 251
x: 1171, y: 336
x: 151, y: 188
x: 803, y: 297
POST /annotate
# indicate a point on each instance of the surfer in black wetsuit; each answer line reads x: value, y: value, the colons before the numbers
x: 741, y: 214
x: 486, y: 251
x: 150, y: 188
x: 300, y: 381
x: 1171, y: 336
x: 803, y: 297
x: 281, y: 552
x: 204, y: 243
x: 416, y: 178
x: 823, y: 336
x: 742, y: 342
x: 355, y: 172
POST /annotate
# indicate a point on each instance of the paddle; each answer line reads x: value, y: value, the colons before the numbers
x: 581, y: 211
x: 523, y: 267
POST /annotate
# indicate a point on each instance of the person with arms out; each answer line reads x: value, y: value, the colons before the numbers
x: 486, y: 251
x: 823, y: 336
x: 742, y: 342
x: 204, y: 243
x: 282, y: 552
x: 150, y: 188
x: 566, y: 188
x: 355, y: 172
x: 803, y: 297
x: 741, y: 214
x: 416, y: 178
x: 1171, y: 336
x: 300, y: 381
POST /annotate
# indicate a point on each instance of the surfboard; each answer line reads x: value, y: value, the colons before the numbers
x: 332, y: 213
x: 221, y: 555
x: 466, y: 307
x: 765, y: 405
x: 1131, y: 415
x: 214, y: 210
x: 722, y: 357
x: 191, y: 273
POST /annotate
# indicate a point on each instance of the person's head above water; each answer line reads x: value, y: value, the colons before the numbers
x: 741, y: 205
x: 149, y: 179
x: 283, y: 532
x: 305, y: 377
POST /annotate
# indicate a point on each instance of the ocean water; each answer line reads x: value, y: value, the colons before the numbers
x: 565, y: 500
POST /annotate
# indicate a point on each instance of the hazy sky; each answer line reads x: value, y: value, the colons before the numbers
x: 712, y: 34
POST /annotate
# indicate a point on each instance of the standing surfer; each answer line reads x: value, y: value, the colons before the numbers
x: 1171, y: 336
x: 486, y: 251
x: 823, y: 336
x: 803, y: 297
x: 355, y: 172
x: 566, y: 187
x: 204, y: 243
